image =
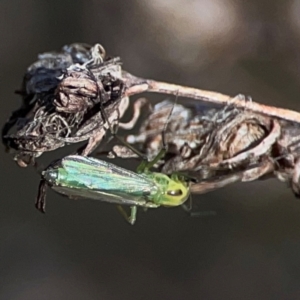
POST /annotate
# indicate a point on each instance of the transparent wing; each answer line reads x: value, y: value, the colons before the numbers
x: 93, y: 176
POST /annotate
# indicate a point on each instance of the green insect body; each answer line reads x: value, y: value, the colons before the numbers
x: 85, y: 177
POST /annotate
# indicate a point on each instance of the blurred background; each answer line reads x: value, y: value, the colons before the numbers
x: 84, y: 249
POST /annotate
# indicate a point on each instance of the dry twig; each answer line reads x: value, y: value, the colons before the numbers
x: 136, y: 85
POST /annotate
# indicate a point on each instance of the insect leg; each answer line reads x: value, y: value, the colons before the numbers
x: 129, y: 218
x: 146, y: 165
x: 40, y: 202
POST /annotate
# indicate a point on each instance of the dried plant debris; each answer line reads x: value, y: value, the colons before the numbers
x: 79, y: 93
x: 220, y: 146
x: 68, y: 96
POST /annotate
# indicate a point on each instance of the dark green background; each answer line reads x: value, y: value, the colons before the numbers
x: 84, y: 249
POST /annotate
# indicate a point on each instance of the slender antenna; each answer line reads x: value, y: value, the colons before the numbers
x: 163, y: 134
x: 163, y: 150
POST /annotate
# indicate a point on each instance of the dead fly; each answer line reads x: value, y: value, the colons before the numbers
x: 67, y: 97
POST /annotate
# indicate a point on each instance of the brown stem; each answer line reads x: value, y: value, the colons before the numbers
x: 136, y: 85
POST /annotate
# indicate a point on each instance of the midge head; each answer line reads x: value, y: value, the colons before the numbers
x: 173, y: 190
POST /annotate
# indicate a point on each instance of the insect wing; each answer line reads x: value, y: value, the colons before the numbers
x: 92, y: 178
